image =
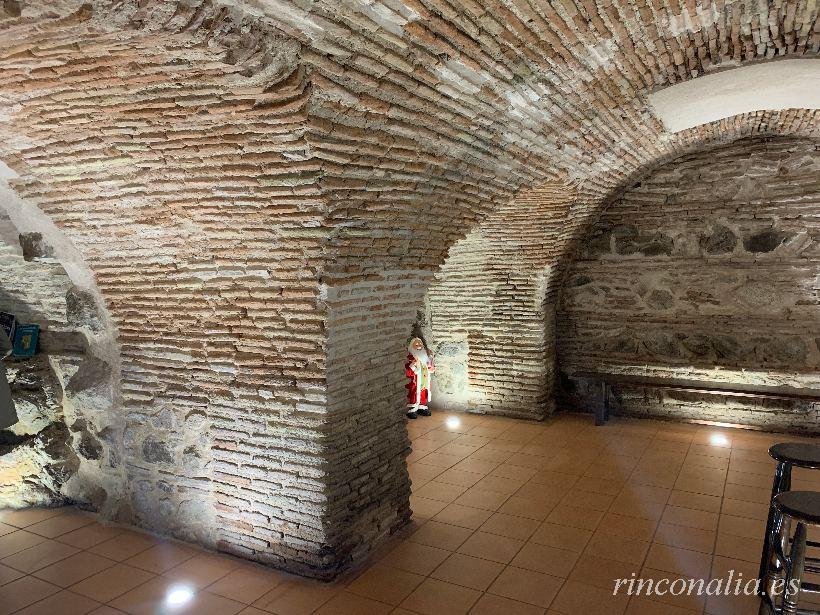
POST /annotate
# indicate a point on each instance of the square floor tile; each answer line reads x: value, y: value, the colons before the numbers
x: 154, y: 598
x: 618, y: 548
x: 385, y: 584
x: 601, y: 572
x: 424, y: 508
x: 510, y: 526
x: 74, y: 569
x: 463, y: 516
x: 576, y: 597
x: 23, y: 592
x: 61, y: 524
x: 347, y: 603
x: 468, y: 571
x: 685, y: 537
x: 549, y: 560
x: 202, y: 570
x: 476, y: 497
x: 738, y: 547
x: 688, y: 517
x: 415, y: 558
x: 491, y: 546
x: 7, y: 575
x: 90, y: 535
x: 681, y: 561
x: 443, y: 492
x: 518, y: 506
x: 162, y: 557
x: 28, y: 516
x: 588, y: 500
x: 526, y: 586
x: 434, y: 597
x: 111, y: 582
x: 62, y: 603
x: 39, y: 556
x: 7, y: 529
x: 634, y: 528
x: 18, y: 541
x: 643, y: 606
x: 489, y: 604
x: 247, y: 583
x: 124, y: 545
x: 698, y: 501
x: 297, y: 597
x: 691, y: 602
x: 561, y: 537
x: 575, y: 517
x: 459, y: 478
x: 443, y: 535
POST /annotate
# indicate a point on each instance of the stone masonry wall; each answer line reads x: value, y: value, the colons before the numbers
x: 66, y: 446
x: 707, y: 269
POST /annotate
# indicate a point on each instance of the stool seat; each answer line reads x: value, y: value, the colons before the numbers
x: 797, y: 454
x: 802, y: 506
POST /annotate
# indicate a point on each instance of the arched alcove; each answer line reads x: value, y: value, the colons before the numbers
x: 703, y: 271
x: 66, y: 446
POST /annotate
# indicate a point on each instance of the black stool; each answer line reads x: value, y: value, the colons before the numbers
x: 802, y: 507
x: 787, y: 455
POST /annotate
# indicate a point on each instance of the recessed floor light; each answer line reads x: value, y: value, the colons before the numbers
x: 453, y: 422
x: 718, y: 439
x: 179, y: 595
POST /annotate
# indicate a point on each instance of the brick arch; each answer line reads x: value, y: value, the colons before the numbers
x: 732, y: 226
x: 491, y: 308
x: 139, y: 139
x: 264, y: 193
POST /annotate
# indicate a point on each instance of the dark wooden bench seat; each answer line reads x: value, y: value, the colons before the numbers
x: 608, y: 380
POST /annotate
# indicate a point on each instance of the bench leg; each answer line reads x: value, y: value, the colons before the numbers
x: 602, y: 408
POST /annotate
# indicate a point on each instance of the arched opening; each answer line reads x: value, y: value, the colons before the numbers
x: 66, y: 445
x: 695, y: 290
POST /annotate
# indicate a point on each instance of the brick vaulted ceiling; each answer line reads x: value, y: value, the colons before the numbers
x: 264, y: 188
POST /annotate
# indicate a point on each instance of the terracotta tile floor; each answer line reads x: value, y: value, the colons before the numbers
x: 510, y: 518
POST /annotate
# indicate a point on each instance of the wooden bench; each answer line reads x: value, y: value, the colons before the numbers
x: 609, y: 380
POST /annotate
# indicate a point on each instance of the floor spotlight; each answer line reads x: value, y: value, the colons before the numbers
x: 718, y: 439
x: 179, y: 595
x: 453, y: 422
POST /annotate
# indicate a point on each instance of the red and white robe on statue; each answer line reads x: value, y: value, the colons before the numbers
x: 418, y: 368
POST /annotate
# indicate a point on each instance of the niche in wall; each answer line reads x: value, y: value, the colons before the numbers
x: 706, y: 270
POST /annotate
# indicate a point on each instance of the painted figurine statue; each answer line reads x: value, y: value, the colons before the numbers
x: 418, y: 368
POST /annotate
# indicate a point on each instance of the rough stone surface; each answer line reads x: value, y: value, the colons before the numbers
x: 51, y: 456
x: 710, y: 307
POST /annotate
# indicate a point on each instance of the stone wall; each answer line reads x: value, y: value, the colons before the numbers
x: 706, y: 270
x: 66, y: 446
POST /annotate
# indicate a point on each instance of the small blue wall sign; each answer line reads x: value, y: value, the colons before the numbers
x: 25, y: 340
